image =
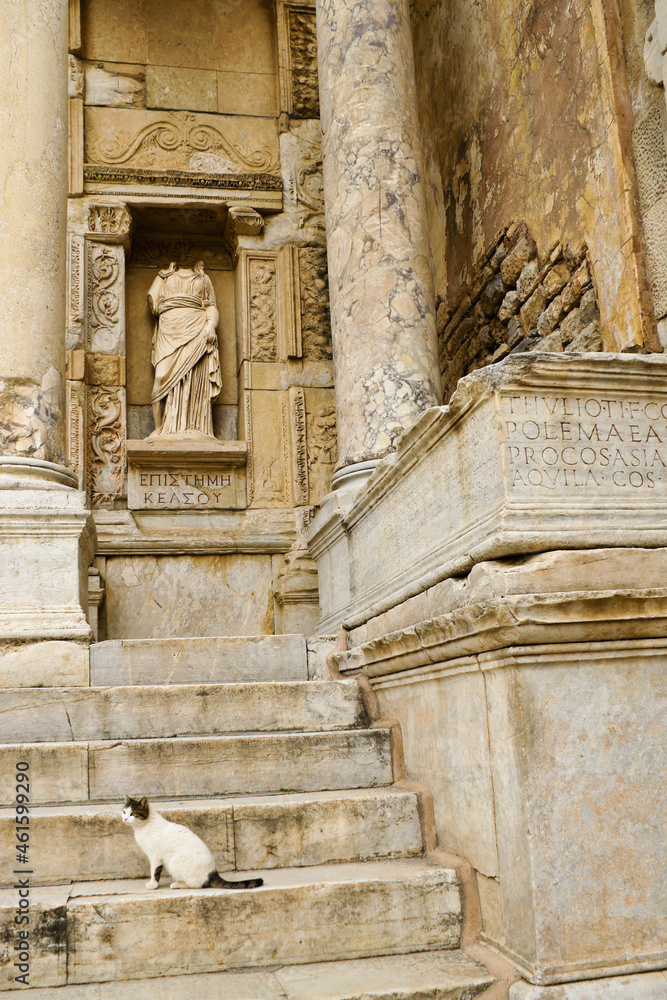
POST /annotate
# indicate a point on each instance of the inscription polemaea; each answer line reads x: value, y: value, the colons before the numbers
x: 584, y: 441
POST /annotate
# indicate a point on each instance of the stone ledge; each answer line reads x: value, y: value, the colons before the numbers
x: 523, y: 620
x: 195, y: 449
x: 215, y: 532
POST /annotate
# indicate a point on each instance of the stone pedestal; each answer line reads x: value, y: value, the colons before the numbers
x: 535, y: 719
x: 192, y: 472
x: 533, y: 454
x: 46, y: 546
x: 382, y: 299
x: 515, y: 626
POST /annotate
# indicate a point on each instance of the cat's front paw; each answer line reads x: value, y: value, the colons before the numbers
x: 152, y: 884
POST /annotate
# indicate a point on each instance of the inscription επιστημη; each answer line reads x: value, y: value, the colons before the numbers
x: 181, y: 490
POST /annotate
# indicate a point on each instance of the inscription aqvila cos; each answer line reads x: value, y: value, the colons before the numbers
x: 556, y: 442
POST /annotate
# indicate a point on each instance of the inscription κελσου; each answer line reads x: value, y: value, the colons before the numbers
x: 181, y: 490
x: 586, y: 442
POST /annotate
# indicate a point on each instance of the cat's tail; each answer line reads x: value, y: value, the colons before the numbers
x: 216, y: 882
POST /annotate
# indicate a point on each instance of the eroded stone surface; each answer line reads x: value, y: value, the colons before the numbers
x: 172, y: 596
x: 213, y: 660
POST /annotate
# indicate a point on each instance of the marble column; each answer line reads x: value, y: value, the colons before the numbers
x: 33, y: 218
x: 46, y: 534
x: 382, y: 299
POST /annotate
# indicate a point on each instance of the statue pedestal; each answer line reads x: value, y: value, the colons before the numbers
x: 188, y: 472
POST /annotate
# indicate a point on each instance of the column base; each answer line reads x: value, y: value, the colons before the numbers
x: 353, y: 477
x: 47, y: 540
x: 17, y: 472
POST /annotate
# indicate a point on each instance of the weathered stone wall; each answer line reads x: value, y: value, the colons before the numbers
x: 524, y: 114
x: 520, y: 303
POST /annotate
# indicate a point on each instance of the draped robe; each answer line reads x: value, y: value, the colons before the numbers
x: 187, y: 367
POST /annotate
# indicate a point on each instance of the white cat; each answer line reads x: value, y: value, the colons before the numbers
x: 186, y: 857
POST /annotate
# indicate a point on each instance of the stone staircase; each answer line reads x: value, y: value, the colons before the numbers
x: 280, y: 775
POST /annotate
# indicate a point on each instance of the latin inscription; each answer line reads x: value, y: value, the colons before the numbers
x: 585, y: 442
x: 167, y: 490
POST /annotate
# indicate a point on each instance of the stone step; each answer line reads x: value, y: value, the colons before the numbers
x: 204, y: 660
x: 427, y: 975
x: 91, y: 842
x: 112, y: 931
x: 197, y: 766
x: 54, y: 715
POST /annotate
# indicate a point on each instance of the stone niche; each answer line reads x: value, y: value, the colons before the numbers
x: 183, y: 235
x: 176, y: 156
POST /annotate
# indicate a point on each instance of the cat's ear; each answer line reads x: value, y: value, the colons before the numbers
x: 127, y: 799
x: 143, y: 802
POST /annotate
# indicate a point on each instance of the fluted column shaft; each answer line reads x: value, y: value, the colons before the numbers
x: 33, y: 219
x: 382, y: 299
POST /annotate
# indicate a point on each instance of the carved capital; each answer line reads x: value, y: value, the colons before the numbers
x: 241, y: 221
x: 110, y: 219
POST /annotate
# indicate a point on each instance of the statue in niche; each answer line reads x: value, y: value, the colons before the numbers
x: 185, y: 350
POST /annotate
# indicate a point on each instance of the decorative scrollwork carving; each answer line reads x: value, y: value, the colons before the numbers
x: 104, y: 303
x: 106, y: 459
x: 181, y: 132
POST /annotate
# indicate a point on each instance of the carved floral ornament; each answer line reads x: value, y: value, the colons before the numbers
x: 181, y: 133
x: 105, y: 472
x: 109, y: 220
x: 103, y: 298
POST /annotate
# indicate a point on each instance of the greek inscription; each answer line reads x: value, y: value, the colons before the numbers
x: 175, y: 490
x: 585, y: 442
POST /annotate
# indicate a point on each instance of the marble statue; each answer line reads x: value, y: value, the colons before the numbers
x: 655, y: 45
x: 185, y: 350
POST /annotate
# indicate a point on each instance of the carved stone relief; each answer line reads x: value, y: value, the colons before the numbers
x: 655, y: 45
x: 303, y: 58
x: 314, y: 292
x: 321, y: 442
x: 271, y: 305
x: 106, y: 444
x: 76, y: 429
x: 178, y: 140
x: 109, y: 220
x: 262, y: 308
x: 297, y: 59
x: 74, y: 77
x: 297, y: 424
x: 153, y: 250
x: 301, y: 153
x: 101, y: 413
x: 105, y: 315
x: 75, y: 292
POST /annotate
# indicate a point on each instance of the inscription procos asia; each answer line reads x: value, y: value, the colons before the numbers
x: 584, y: 442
